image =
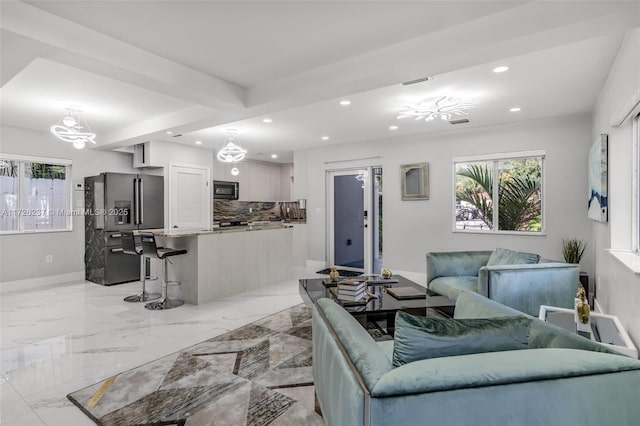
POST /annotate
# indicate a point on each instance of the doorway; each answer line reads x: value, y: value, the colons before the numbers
x: 189, y: 205
x: 355, y: 219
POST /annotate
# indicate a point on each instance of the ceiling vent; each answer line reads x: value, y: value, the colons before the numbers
x: 177, y: 136
x: 460, y: 121
x: 417, y: 80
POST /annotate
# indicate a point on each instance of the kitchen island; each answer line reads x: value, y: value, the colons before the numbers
x: 226, y: 261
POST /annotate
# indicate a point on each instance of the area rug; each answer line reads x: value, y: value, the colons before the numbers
x: 342, y: 272
x: 259, y: 374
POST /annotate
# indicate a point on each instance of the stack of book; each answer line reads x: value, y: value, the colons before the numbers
x: 352, y: 290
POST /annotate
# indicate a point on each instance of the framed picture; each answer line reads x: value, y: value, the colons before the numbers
x: 415, y: 181
x: 598, y: 193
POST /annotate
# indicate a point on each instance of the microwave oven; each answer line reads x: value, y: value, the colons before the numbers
x: 223, y: 190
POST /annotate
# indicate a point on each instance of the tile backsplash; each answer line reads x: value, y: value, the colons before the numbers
x: 251, y: 211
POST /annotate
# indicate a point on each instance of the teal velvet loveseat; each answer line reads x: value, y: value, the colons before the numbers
x: 523, y: 286
x: 561, y: 379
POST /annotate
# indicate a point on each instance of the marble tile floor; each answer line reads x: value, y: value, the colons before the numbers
x: 60, y: 338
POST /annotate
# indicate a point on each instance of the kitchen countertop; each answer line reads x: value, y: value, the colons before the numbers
x: 192, y: 232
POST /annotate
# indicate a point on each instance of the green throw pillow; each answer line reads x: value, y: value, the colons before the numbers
x: 502, y: 256
x: 419, y: 337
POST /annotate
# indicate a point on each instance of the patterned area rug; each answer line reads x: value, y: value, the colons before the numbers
x: 259, y: 374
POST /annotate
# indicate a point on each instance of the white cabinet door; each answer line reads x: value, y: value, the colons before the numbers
x: 189, y: 197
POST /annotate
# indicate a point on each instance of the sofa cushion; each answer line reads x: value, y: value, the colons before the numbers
x: 503, y: 256
x: 451, y: 287
x: 419, y: 337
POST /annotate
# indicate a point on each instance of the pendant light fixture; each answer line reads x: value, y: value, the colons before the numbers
x: 69, y: 129
x: 231, y: 152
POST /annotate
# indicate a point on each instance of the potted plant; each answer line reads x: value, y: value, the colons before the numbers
x: 573, y: 249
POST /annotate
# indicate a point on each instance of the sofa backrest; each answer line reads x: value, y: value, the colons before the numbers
x: 473, y: 305
x: 455, y: 263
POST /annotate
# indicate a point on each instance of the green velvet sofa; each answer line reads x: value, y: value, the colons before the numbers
x: 521, y: 286
x: 560, y: 379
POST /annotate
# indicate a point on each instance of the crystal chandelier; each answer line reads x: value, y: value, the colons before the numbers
x: 70, y: 130
x: 442, y: 107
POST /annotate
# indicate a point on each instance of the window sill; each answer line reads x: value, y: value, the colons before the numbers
x: 628, y: 258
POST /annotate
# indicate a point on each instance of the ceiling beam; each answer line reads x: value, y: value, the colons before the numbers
x: 84, y: 48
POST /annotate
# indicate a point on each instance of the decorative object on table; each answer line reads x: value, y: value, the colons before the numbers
x: 583, y: 313
x: 402, y: 293
x: 598, y: 191
x: 415, y: 181
x: 386, y: 273
x: 334, y: 275
x: 572, y: 250
x: 352, y: 290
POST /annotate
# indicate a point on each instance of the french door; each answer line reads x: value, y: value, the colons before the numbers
x: 354, y: 200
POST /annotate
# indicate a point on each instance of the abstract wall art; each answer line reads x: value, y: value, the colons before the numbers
x: 598, y: 197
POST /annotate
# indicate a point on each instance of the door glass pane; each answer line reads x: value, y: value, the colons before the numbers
x: 520, y: 195
x: 8, y: 195
x: 348, y: 220
x: 44, y: 196
x: 376, y: 219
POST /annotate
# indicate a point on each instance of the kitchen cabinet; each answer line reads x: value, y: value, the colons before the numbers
x: 258, y: 181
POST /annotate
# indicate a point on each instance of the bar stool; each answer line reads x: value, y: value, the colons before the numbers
x: 129, y: 246
x: 150, y: 248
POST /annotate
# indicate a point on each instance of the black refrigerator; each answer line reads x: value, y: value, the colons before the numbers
x: 116, y: 202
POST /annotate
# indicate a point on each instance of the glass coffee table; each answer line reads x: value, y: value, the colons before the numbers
x: 381, y: 309
x: 605, y: 329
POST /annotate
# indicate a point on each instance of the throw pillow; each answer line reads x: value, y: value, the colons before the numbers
x: 501, y: 256
x: 419, y: 337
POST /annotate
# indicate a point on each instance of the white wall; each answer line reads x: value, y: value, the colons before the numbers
x: 412, y: 228
x: 22, y: 256
x: 617, y: 288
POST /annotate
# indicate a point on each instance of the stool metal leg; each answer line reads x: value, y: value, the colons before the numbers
x: 144, y: 296
x: 164, y: 302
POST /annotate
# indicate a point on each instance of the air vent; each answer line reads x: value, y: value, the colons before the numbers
x: 418, y: 80
x: 460, y: 121
x: 177, y: 136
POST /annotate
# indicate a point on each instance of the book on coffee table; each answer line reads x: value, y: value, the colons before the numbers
x: 401, y: 293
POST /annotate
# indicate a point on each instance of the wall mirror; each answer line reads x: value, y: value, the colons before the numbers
x: 415, y: 181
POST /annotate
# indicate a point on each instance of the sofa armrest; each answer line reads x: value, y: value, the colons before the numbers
x: 455, y: 263
x: 526, y: 287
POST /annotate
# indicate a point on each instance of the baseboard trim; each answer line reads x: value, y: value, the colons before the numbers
x: 40, y: 281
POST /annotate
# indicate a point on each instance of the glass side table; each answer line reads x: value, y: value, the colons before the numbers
x: 605, y: 329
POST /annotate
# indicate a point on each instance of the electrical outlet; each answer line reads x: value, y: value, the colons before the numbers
x: 48, y: 258
x: 250, y: 210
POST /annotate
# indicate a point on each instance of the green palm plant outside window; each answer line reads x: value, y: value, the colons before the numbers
x: 519, y: 193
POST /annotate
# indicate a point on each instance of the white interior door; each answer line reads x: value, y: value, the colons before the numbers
x: 189, y: 198
x: 349, y: 207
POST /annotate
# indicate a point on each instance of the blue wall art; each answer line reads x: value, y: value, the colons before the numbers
x: 598, y: 198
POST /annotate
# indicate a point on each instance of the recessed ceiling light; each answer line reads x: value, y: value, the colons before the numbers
x: 198, y: 142
x: 325, y: 138
x: 515, y: 109
x: 345, y: 102
x: 274, y: 155
x: 501, y: 68
x: 267, y: 120
x: 169, y: 132
x: 393, y: 127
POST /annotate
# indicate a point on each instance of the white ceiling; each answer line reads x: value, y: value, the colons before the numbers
x: 140, y: 68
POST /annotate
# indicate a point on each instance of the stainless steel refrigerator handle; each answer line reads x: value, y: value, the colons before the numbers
x: 141, y: 200
x: 135, y: 201
x: 116, y: 250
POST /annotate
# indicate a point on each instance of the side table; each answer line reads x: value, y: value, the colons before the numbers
x: 605, y: 329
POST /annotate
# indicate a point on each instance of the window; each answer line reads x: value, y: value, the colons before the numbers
x: 34, y: 194
x: 499, y: 193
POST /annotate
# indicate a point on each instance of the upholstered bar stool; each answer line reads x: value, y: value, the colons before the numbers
x: 129, y: 246
x: 150, y: 248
